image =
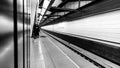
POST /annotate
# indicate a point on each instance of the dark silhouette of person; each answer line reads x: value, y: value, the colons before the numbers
x: 36, y: 30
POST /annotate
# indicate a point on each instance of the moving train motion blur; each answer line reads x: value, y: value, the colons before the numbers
x: 61, y: 34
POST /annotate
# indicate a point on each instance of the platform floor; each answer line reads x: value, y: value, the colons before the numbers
x: 49, y: 53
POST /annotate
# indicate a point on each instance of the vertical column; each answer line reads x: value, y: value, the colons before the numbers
x: 23, y: 37
x: 15, y: 34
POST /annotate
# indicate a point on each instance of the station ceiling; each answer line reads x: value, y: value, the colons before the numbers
x: 93, y: 8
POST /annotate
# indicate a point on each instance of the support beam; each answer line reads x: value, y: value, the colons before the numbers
x: 58, y: 9
x: 66, y: 1
x: 52, y: 15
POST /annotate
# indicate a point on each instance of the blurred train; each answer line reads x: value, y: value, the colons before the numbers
x: 99, y: 34
x: 104, y: 26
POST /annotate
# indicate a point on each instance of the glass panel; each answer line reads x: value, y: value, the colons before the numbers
x: 6, y: 34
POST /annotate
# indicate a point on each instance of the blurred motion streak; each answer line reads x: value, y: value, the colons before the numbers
x: 7, y: 29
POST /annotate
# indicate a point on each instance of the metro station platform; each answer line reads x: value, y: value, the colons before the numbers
x: 46, y: 52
